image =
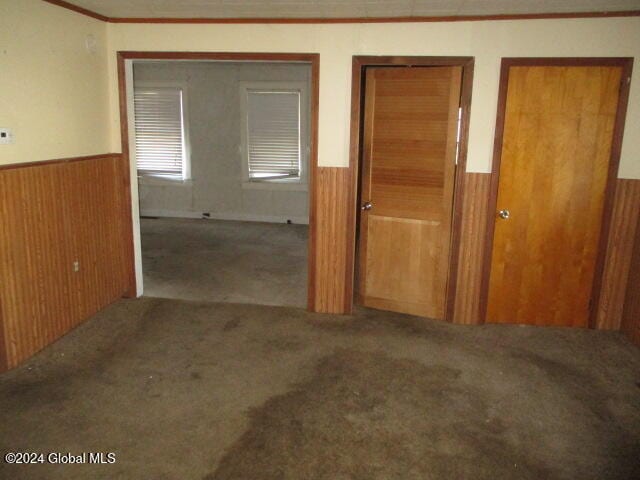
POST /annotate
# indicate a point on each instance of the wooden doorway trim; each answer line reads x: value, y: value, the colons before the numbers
x: 614, y: 160
x: 359, y: 64
x: 313, y: 59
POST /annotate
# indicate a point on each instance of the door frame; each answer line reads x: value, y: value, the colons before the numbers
x: 359, y: 65
x: 614, y: 160
x: 124, y: 62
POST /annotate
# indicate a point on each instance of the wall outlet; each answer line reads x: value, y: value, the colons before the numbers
x: 76, y: 266
x: 6, y: 136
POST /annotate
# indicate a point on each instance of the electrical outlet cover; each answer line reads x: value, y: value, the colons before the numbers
x: 6, y: 136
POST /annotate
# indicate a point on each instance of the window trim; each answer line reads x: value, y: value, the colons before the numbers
x: 186, y: 163
x: 298, y: 183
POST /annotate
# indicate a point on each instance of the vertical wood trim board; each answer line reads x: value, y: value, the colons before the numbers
x: 472, y: 246
x: 3, y: 344
x: 620, y: 245
x: 631, y: 310
x: 124, y: 135
x: 54, y: 214
x: 333, y: 202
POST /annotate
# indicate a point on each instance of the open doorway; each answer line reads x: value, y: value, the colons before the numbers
x: 223, y: 156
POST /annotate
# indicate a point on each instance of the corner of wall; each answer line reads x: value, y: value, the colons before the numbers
x: 114, y: 94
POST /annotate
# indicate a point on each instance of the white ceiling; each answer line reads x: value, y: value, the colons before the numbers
x: 343, y: 8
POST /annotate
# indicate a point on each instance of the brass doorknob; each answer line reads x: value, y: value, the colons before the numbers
x: 504, y: 214
x: 366, y: 206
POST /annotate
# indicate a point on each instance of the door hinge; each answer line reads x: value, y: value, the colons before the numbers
x: 628, y: 80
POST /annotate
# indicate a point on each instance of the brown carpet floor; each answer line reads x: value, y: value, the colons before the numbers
x: 189, y: 390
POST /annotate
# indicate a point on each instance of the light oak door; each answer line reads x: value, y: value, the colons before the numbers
x: 558, y: 133
x: 408, y: 171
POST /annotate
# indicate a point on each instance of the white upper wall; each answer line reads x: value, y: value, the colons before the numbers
x: 487, y: 41
x: 56, y: 98
x: 53, y: 92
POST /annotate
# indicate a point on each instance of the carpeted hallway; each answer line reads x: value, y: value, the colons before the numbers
x: 225, y: 261
x: 193, y: 390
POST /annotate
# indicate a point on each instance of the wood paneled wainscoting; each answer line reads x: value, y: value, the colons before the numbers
x: 631, y: 311
x: 472, y: 245
x: 332, y: 269
x: 617, y: 265
x: 332, y: 224
x: 615, y: 310
x: 65, y: 249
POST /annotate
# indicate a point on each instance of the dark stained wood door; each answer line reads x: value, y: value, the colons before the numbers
x: 410, y: 130
x: 557, y: 139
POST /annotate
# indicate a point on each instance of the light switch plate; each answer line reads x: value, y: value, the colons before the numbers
x: 6, y: 136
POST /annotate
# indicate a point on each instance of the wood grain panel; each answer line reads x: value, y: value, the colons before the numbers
x: 557, y: 141
x: 360, y: 64
x: 54, y: 215
x: 472, y: 247
x: 631, y: 310
x: 333, y: 249
x: 408, y: 174
x: 620, y: 245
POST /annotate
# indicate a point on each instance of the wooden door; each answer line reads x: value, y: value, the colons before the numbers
x: 409, y: 154
x: 558, y: 132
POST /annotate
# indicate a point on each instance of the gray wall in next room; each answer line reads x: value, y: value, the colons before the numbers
x: 214, y: 121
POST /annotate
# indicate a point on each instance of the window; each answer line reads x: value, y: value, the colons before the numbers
x: 160, y: 132
x: 273, y: 137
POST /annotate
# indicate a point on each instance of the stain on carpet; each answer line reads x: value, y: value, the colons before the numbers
x: 366, y: 416
x: 231, y: 325
x: 371, y: 322
x: 576, y: 383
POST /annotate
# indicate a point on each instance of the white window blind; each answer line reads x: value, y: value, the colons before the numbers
x: 273, y: 134
x: 160, y: 148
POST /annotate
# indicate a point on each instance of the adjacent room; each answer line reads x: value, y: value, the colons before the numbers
x: 298, y: 239
x: 222, y: 155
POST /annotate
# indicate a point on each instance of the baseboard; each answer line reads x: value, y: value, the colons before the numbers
x: 242, y: 217
x: 248, y: 217
x: 170, y: 214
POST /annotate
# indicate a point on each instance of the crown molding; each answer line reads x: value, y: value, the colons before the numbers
x: 75, y: 8
x: 320, y: 20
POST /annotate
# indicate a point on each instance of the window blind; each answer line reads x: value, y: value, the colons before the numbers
x: 273, y: 134
x: 159, y: 131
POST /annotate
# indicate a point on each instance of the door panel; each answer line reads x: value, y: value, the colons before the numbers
x: 555, y: 157
x: 410, y: 128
